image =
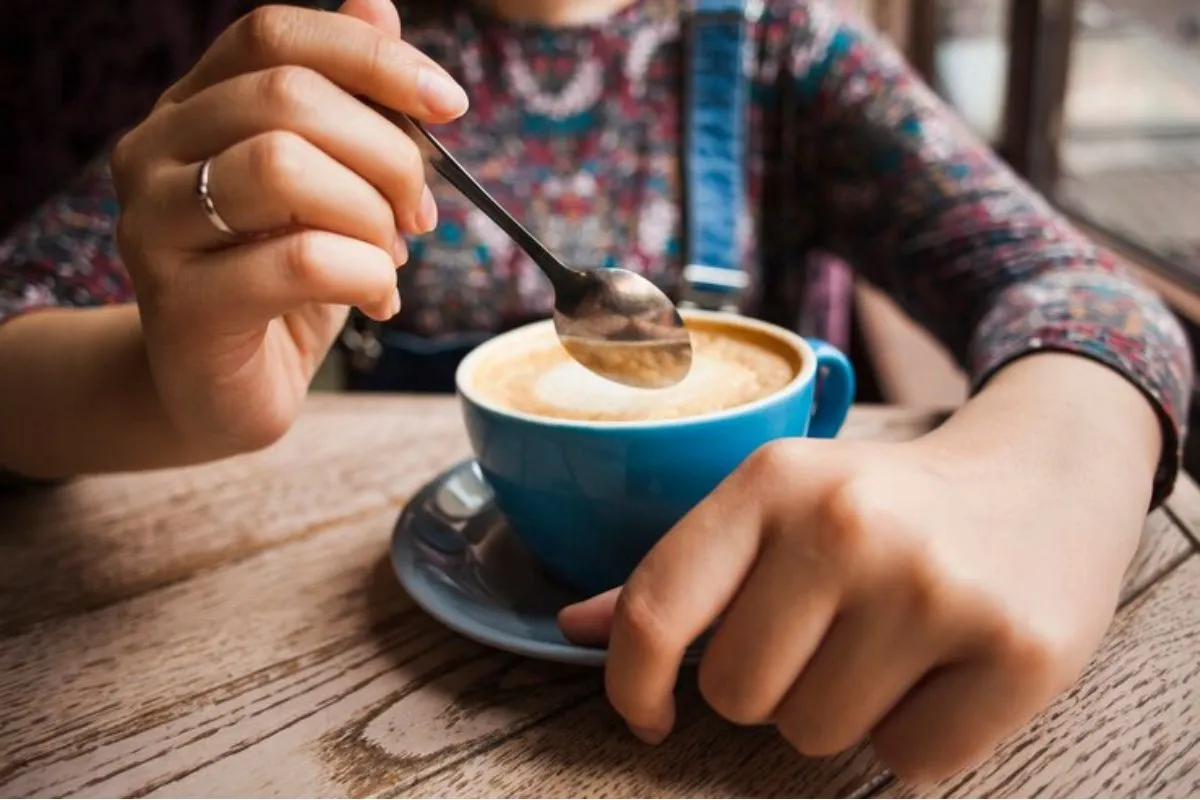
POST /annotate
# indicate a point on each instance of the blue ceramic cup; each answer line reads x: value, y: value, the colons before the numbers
x: 590, y: 499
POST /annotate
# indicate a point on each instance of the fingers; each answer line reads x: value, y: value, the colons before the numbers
x: 245, y: 285
x: 590, y: 623
x: 867, y: 662
x: 307, y: 104
x: 273, y: 182
x: 284, y: 68
x: 768, y: 634
x: 994, y: 682
x: 351, y: 52
x: 675, y: 594
x: 382, y: 14
x: 955, y: 717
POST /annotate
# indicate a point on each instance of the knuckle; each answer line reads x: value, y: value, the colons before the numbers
x: 277, y: 159
x: 642, y: 618
x: 305, y: 261
x: 268, y: 31
x: 167, y: 98
x: 859, y: 519
x: 928, y: 595
x: 122, y: 160
x: 770, y: 462
x: 1043, y: 654
x: 849, y: 515
x: 1037, y: 653
x: 379, y: 61
x: 287, y: 89
x: 128, y: 166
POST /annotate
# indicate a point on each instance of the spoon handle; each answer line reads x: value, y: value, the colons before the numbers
x: 457, y: 176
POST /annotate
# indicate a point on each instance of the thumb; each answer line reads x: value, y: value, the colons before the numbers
x: 590, y: 623
x: 380, y: 13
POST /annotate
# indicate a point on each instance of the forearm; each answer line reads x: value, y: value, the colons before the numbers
x: 982, y: 261
x: 77, y: 397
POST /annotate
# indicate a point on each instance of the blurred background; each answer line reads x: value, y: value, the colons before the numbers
x: 1095, y: 102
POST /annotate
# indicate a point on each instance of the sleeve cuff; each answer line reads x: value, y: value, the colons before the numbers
x: 1154, y: 375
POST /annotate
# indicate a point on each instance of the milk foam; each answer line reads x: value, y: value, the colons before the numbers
x: 538, y: 377
x: 571, y: 386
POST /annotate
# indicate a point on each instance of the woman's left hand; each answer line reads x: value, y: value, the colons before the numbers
x: 932, y: 595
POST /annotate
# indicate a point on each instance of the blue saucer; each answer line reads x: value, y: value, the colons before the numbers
x: 456, y: 556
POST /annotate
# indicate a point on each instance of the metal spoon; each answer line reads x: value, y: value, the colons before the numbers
x: 612, y: 321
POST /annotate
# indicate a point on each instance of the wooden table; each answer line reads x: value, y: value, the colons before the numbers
x: 236, y: 630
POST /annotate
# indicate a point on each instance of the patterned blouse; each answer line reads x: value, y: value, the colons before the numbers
x: 853, y: 164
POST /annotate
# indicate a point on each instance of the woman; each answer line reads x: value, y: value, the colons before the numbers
x: 932, y: 595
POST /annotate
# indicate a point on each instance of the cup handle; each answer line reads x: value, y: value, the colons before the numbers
x: 834, y: 392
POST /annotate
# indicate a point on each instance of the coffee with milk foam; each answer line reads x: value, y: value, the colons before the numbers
x: 731, y: 367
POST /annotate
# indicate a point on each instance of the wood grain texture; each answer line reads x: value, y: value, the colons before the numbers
x: 587, y: 752
x: 1129, y: 728
x: 301, y: 670
x: 94, y: 542
x: 1163, y: 547
x: 236, y: 629
x: 1184, y: 506
x: 157, y: 626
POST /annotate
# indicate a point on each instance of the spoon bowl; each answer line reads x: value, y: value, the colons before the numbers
x: 620, y: 325
x: 614, y: 322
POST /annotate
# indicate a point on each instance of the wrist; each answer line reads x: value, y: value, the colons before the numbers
x: 1060, y: 417
x: 77, y: 396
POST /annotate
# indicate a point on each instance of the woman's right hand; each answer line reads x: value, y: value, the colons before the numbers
x: 318, y: 187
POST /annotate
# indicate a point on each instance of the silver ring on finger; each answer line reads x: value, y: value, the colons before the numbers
x: 206, y: 201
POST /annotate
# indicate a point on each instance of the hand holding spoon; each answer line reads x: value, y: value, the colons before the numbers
x: 614, y: 322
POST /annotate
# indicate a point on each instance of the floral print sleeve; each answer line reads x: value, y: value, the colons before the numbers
x: 923, y: 210
x: 65, y: 254
x: 886, y: 177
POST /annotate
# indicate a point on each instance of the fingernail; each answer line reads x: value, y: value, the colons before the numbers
x: 650, y: 737
x: 395, y: 307
x: 400, y: 250
x: 442, y: 94
x: 427, y: 216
